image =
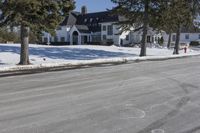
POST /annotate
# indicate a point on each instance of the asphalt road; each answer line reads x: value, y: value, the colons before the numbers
x: 147, y: 97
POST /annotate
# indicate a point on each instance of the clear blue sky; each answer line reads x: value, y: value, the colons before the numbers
x: 94, y: 5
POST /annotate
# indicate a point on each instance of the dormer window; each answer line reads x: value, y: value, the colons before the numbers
x: 90, y: 19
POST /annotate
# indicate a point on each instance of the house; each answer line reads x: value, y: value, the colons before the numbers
x: 187, y: 35
x: 153, y: 36
x: 94, y: 28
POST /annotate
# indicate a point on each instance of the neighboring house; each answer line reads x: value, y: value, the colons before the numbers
x: 187, y: 35
x: 153, y: 36
x: 94, y: 28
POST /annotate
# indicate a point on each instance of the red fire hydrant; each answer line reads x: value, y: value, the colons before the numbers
x: 185, y: 49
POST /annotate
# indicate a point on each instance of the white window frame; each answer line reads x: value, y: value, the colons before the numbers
x: 127, y: 37
x: 187, y: 36
x: 45, y: 39
x: 62, y: 39
x: 173, y: 38
x: 110, y: 30
x: 104, y: 37
x: 104, y: 28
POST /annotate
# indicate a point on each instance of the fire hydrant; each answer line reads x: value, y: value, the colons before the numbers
x: 185, y: 49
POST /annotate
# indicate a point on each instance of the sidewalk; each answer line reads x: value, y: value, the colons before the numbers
x: 85, y: 63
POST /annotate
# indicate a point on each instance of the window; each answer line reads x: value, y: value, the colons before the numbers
x: 104, y: 37
x: 85, y: 20
x: 199, y: 36
x: 104, y: 28
x: 174, y: 38
x: 148, y: 39
x: 59, y: 28
x: 45, y: 39
x: 187, y: 36
x: 51, y: 39
x: 110, y: 30
x: 55, y: 39
x: 127, y: 37
x: 121, y: 42
x: 153, y: 39
x: 156, y: 39
x: 62, y: 39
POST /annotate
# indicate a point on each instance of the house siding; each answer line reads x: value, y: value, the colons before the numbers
x: 183, y: 39
x: 117, y: 37
x: 63, y: 32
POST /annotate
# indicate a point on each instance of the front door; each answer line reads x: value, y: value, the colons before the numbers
x: 85, y: 39
x: 75, y: 38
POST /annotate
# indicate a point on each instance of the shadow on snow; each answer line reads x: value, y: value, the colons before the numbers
x: 66, y: 53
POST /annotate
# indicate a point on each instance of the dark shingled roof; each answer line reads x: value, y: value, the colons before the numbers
x: 91, y: 20
x: 99, y: 17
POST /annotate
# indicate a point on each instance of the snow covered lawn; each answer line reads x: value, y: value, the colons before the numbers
x: 39, y: 54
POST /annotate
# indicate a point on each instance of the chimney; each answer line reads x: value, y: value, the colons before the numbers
x: 84, y: 10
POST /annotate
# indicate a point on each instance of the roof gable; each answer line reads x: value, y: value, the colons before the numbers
x: 70, y: 19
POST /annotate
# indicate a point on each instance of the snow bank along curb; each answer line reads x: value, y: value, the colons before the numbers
x: 81, y: 63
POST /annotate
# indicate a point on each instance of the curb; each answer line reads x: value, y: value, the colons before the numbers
x: 19, y: 70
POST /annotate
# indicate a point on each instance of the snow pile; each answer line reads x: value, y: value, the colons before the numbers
x: 53, y: 56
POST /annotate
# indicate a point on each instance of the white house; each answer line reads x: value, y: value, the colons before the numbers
x: 153, y: 36
x: 112, y: 32
x: 185, y: 38
x: 94, y: 28
x: 187, y: 35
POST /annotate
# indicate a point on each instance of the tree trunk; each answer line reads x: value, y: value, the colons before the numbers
x: 145, y: 26
x: 169, y: 41
x: 176, y: 48
x: 24, y: 55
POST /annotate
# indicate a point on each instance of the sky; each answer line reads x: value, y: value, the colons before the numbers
x: 94, y: 5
